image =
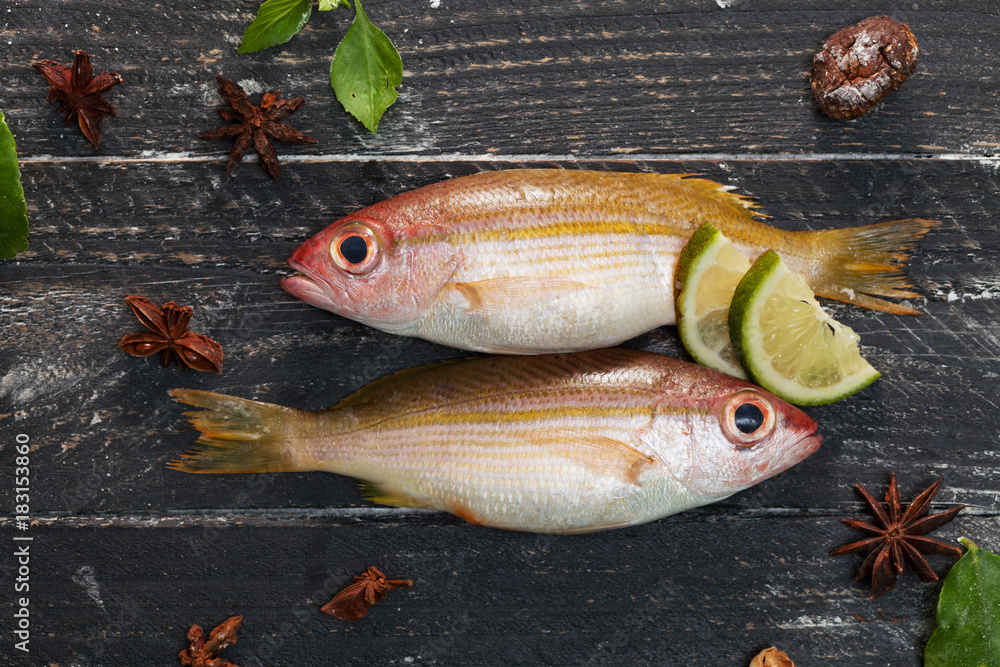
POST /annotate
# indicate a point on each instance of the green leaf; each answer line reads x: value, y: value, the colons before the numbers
x: 327, y: 5
x: 277, y: 22
x: 365, y: 71
x: 13, y: 208
x: 968, y: 615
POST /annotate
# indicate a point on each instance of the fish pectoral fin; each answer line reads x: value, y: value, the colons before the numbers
x: 603, y: 455
x: 496, y: 293
x: 383, y: 495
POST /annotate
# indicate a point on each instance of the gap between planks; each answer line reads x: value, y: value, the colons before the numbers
x: 209, y: 518
x: 155, y: 157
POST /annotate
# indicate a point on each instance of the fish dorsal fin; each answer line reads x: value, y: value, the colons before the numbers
x: 493, y: 381
x: 601, y: 454
x: 494, y: 293
x: 377, y: 389
x: 721, y: 192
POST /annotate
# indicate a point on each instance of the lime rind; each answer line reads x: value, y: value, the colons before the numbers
x: 708, y: 271
x: 788, y: 344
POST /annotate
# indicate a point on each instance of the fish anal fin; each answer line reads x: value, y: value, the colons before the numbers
x: 495, y: 293
x: 601, y: 454
x: 580, y: 530
x: 383, y: 495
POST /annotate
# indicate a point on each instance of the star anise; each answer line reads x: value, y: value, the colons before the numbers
x: 79, y: 93
x: 351, y: 604
x: 256, y: 126
x: 168, y: 334
x: 899, y: 535
x: 203, y: 653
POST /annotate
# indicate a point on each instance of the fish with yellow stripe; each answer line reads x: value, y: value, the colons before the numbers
x: 565, y: 443
x: 531, y: 261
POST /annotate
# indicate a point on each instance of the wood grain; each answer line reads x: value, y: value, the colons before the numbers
x: 128, y: 553
x: 682, y: 591
x: 582, y: 78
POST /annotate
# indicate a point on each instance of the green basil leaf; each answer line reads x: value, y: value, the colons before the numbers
x: 968, y: 614
x: 365, y: 71
x: 327, y: 5
x: 13, y: 208
x: 277, y: 22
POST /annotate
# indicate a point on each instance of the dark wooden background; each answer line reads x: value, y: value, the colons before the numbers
x: 126, y: 553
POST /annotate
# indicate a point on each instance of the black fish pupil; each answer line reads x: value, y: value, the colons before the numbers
x: 749, y: 418
x: 354, y: 249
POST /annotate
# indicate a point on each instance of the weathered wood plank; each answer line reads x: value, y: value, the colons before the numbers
x: 582, y: 78
x: 105, y: 429
x: 678, y: 592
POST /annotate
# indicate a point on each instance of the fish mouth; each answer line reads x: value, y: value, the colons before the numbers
x: 316, y: 293
x: 809, y: 441
x: 798, y: 451
x: 808, y: 445
x: 308, y: 283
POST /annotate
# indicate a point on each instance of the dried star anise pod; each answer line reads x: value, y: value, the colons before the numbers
x: 80, y: 93
x: 352, y: 603
x: 168, y: 334
x: 899, y: 535
x: 256, y: 126
x: 203, y: 653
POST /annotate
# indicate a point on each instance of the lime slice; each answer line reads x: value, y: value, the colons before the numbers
x: 708, y: 271
x: 788, y: 344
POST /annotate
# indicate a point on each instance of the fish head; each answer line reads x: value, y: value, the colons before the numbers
x: 369, y: 268
x: 743, y: 436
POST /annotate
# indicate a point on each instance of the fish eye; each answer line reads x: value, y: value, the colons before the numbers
x: 747, y: 418
x: 356, y: 249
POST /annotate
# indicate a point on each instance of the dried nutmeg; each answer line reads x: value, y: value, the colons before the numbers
x: 861, y: 64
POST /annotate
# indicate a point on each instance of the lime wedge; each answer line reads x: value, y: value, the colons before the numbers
x: 707, y: 274
x: 788, y: 344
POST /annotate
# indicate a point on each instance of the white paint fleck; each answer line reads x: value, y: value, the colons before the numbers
x: 27, y: 382
x: 809, y: 622
x: 725, y: 4
x: 86, y: 580
x: 980, y: 288
x: 435, y: 4
x: 252, y: 86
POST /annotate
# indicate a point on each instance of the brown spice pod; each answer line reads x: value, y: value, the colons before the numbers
x: 772, y: 657
x: 861, y: 64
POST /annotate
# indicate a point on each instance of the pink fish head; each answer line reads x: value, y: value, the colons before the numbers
x: 372, y: 267
x: 745, y: 436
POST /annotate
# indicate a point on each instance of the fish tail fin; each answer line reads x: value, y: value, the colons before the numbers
x: 239, y: 435
x: 860, y: 264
